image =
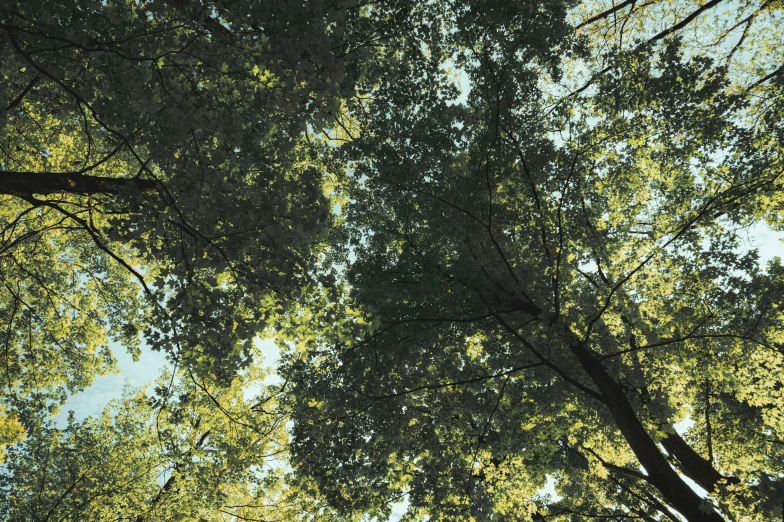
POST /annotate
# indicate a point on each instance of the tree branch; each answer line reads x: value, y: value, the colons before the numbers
x: 16, y: 101
x: 24, y: 184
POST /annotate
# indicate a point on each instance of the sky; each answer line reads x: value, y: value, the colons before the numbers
x: 136, y: 374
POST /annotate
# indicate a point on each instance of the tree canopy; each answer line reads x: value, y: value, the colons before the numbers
x: 499, y: 244
x: 159, y: 145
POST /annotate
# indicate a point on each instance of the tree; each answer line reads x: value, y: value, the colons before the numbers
x: 158, y: 176
x: 187, y: 450
x: 538, y: 280
x: 547, y: 279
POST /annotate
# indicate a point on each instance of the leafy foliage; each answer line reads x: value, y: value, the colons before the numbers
x: 500, y: 245
x: 559, y: 280
x: 158, y: 178
x: 190, y: 452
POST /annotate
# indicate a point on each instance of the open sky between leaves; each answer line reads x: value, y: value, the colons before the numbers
x: 557, y: 271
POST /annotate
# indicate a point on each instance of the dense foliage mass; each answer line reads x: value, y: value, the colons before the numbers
x: 499, y: 244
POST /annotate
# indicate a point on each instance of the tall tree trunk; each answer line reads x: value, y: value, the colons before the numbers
x: 693, y: 465
x: 25, y: 184
x: 674, y: 490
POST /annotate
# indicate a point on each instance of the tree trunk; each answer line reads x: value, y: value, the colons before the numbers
x: 674, y: 490
x: 25, y: 184
x: 693, y: 465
